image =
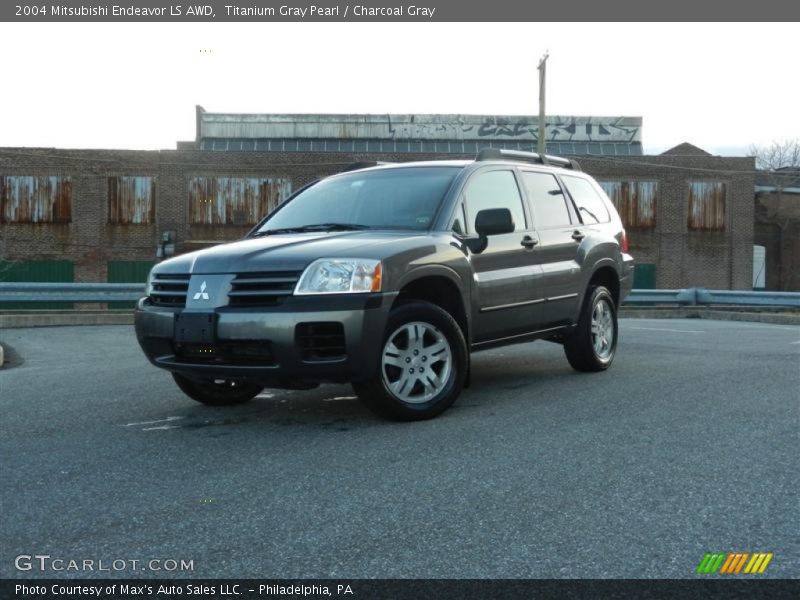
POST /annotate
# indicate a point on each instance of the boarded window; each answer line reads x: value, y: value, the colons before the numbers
x: 131, y: 200
x: 235, y: 200
x: 635, y: 201
x: 707, y: 205
x: 29, y: 199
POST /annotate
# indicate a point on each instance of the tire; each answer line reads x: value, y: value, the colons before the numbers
x: 593, y: 344
x: 217, y: 392
x: 438, y: 356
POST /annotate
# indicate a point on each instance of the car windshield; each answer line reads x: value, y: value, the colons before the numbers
x: 403, y: 198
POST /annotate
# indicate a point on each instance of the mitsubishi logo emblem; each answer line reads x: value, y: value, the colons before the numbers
x: 202, y: 294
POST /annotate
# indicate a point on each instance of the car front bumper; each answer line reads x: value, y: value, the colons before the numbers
x: 303, y: 341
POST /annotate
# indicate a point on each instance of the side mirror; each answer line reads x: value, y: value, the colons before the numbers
x: 494, y: 221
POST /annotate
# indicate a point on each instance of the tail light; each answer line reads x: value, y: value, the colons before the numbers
x: 624, y: 241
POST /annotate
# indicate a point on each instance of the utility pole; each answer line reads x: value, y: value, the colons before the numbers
x: 542, y: 129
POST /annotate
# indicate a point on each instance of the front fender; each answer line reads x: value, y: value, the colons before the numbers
x: 461, y: 280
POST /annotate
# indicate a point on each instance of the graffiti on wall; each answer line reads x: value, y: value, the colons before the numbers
x: 446, y: 128
x: 559, y: 129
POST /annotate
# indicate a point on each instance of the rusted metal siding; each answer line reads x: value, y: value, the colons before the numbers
x: 234, y: 200
x: 707, y: 205
x: 131, y: 200
x: 32, y: 199
x: 635, y: 201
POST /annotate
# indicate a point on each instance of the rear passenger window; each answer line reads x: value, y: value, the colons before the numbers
x: 549, y: 204
x: 495, y: 189
x: 588, y: 200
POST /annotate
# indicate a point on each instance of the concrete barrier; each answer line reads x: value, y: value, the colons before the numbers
x: 2, y: 357
x: 694, y: 312
x: 63, y: 319
x: 21, y: 319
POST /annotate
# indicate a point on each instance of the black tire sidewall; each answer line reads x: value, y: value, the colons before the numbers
x: 578, y: 346
x: 602, y: 293
x: 387, y: 403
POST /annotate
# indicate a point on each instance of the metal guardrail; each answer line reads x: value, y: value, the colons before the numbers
x: 702, y: 296
x: 127, y: 292
x: 71, y: 292
x: 661, y: 297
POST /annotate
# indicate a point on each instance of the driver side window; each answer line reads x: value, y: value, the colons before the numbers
x: 495, y: 189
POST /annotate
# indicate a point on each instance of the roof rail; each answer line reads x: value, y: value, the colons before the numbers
x: 363, y: 164
x: 531, y: 157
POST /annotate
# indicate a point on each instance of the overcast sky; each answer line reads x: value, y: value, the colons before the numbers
x: 719, y: 86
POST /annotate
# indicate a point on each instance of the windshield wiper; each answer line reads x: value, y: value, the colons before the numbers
x: 315, y: 227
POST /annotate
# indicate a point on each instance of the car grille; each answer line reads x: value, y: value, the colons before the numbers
x: 244, y: 353
x: 262, y: 289
x: 319, y: 342
x: 169, y: 289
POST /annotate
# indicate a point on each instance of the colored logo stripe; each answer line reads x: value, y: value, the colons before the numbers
x: 758, y: 563
x: 710, y: 563
x: 733, y: 563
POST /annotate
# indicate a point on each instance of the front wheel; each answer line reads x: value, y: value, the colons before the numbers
x: 217, y: 392
x: 593, y: 343
x: 423, y: 364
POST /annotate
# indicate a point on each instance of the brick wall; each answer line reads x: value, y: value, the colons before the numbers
x: 682, y: 257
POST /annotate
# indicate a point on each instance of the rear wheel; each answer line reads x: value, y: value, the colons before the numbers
x: 593, y: 343
x: 423, y: 364
x: 217, y: 392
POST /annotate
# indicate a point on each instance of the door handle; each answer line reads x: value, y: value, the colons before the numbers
x: 577, y: 235
x: 529, y: 242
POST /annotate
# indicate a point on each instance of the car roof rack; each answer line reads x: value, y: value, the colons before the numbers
x: 363, y: 164
x: 530, y: 157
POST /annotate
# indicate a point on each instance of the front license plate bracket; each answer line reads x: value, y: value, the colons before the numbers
x: 196, y: 328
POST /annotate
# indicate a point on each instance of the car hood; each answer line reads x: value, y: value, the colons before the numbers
x: 290, y: 252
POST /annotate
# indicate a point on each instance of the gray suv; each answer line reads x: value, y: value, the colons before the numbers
x: 389, y: 276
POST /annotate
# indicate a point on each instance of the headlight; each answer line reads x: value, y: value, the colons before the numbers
x: 340, y: 276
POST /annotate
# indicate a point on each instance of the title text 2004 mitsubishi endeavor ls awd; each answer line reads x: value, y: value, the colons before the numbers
x: 389, y: 276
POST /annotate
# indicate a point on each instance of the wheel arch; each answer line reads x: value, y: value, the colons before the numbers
x: 606, y: 273
x: 441, y: 286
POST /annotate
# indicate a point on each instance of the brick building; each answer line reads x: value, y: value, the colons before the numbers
x: 101, y: 215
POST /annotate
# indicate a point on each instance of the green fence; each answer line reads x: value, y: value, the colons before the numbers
x: 644, y: 277
x: 46, y: 271
x: 127, y: 271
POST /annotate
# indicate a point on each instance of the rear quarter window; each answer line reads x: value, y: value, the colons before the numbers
x: 588, y: 199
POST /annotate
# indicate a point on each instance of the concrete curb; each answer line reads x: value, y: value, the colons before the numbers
x: 63, y: 319
x: 73, y: 318
x: 769, y: 317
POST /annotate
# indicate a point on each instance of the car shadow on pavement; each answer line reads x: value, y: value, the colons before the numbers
x: 333, y: 408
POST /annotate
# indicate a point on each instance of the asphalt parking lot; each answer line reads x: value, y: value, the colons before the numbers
x: 688, y: 445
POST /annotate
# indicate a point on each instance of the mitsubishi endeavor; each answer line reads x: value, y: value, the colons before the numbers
x: 389, y: 276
